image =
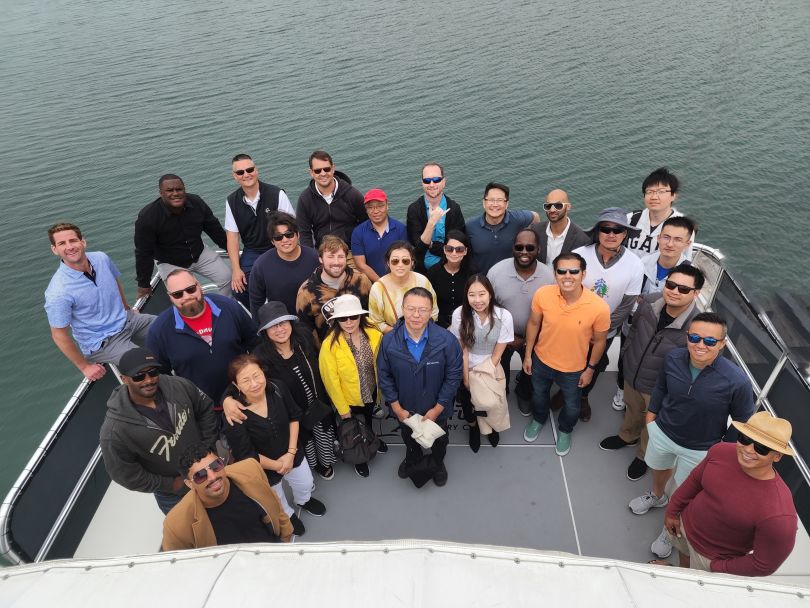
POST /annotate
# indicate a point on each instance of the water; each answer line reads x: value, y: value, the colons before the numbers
x: 99, y: 99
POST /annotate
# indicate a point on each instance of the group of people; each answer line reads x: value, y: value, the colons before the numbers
x: 334, y: 311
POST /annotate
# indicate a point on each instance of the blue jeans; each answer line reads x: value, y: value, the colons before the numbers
x: 166, y: 501
x: 543, y: 377
x: 246, y: 260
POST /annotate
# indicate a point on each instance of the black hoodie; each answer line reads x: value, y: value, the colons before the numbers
x: 317, y: 218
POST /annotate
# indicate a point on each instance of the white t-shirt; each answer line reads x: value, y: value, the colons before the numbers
x: 555, y: 243
x: 623, y: 278
x: 283, y: 205
x: 647, y: 241
x: 506, y: 335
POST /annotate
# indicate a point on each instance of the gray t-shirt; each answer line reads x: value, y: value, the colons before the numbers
x: 514, y: 294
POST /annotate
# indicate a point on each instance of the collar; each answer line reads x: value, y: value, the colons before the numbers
x: 411, y: 340
x: 334, y: 192
x: 252, y: 201
x: 442, y: 202
x: 483, y: 222
x: 163, y: 205
x: 562, y: 234
x: 178, y: 320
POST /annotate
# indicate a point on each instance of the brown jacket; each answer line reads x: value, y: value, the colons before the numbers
x: 187, y: 525
x: 314, y: 293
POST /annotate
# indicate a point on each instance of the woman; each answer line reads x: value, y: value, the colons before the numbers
x: 348, y: 363
x: 385, y: 299
x: 483, y: 330
x: 449, y: 277
x: 270, y: 435
x: 287, y: 353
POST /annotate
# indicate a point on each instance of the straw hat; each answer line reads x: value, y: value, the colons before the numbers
x: 346, y: 305
x: 767, y: 430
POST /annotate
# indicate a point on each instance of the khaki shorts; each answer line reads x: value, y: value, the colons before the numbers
x: 682, y: 544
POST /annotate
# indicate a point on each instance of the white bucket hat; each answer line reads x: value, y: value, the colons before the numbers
x: 343, y: 306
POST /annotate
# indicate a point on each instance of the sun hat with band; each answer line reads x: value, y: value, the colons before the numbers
x: 768, y: 430
x: 343, y: 306
x: 614, y: 215
x: 272, y: 313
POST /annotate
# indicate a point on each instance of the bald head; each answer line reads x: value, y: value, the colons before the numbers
x: 556, y: 205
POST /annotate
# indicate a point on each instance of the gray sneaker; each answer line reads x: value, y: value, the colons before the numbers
x: 662, y: 546
x: 647, y: 501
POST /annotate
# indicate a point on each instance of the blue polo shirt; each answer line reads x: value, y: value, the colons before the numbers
x: 416, y: 348
x: 94, y: 311
x: 367, y: 241
x: 491, y: 244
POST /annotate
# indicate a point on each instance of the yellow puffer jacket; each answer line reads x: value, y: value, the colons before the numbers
x: 339, y: 371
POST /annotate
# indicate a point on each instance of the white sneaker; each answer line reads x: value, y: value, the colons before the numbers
x: 662, y: 546
x: 618, y: 400
x: 647, y: 501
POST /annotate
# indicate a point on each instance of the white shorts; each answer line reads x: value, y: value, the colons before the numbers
x: 663, y: 453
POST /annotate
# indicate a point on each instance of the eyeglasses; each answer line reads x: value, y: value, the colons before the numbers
x: 349, y: 318
x: 529, y: 248
x: 375, y: 207
x: 152, y: 373
x: 707, y: 340
x: 396, y: 262
x: 762, y: 450
x: 431, y: 180
x: 284, y: 235
x: 550, y: 206
x: 678, y: 240
x: 684, y: 289
x: 201, y: 476
x: 451, y: 249
x: 322, y: 169
x: 659, y: 192
x: 495, y: 200
x: 241, y: 172
x: 609, y: 230
x: 571, y: 271
x: 179, y: 293
x: 414, y: 310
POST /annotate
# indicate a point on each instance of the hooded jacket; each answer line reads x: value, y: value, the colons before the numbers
x: 317, y: 218
x: 420, y: 385
x: 314, y: 293
x: 339, y: 370
x: 140, y: 455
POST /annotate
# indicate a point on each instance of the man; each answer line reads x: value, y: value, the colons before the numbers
x: 659, y: 326
x: 151, y: 419
x: 226, y: 505
x: 515, y: 280
x: 565, y: 338
x: 85, y: 299
x: 330, y: 204
x: 372, y: 238
x: 247, y: 212
x: 734, y: 514
x: 169, y: 230
x: 660, y: 189
x: 615, y: 275
x: 559, y: 234
x: 199, y: 335
x: 332, y: 278
x: 279, y: 272
x: 431, y: 216
x: 697, y: 390
x: 673, y: 244
x: 492, y: 234
x: 419, y: 367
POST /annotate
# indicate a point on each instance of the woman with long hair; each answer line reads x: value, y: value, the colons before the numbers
x: 385, y: 298
x: 484, y: 330
x: 450, y: 275
x: 348, y: 362
x: 270, y: 435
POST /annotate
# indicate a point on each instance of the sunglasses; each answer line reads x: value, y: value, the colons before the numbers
x: 571, y: 271
x: 201, y: 476
x: 550, y: 206
x: 179, y: 293
x: 762, y: 450
x: 451, y: 249
x: 152, y: 373
x: 349, y: 318
x: 431, y: 180
x: 529, y: 248
x: 707, y: 340
x: 322, y: 170
x: 681, y: 288
x: 284, y: 235
x: 241, y: 172
x: 608, y: 230
x: 396, y: 261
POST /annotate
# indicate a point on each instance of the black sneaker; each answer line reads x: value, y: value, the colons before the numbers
x: 325, y: 472
x: 314, y: 507
x: 614, y: 442
x: 361, y: 470
x: 402, y: 471
x: 440, y: 476
x: 383, y: 449
x: 494, y: 438
x: 636, y: 470
x: 298, y: 525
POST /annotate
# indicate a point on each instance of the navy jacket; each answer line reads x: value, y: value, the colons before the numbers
x: 418, y: 386
x: 180, y: 349
x: 694, y: 414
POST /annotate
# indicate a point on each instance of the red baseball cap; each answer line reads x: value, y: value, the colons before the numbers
x: 375, y: 194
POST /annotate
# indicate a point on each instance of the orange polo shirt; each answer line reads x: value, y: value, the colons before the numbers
x: 566, y: 331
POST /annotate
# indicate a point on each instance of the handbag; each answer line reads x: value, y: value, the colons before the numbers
x: 357, y: 444
x: 317, y: 410
x: 391, y: 302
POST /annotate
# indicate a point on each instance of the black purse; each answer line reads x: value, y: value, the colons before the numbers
x: 317, y: 410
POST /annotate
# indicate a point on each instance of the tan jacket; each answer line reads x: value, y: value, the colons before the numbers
x: 488, y: 393
x: 187, y: 525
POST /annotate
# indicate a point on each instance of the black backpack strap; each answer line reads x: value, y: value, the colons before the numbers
x: 635, y: 217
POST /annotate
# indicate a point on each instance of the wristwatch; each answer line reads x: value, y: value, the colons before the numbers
x: 589, y: 366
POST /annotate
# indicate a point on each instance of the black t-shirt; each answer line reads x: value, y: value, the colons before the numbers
x: 239, y: 520
x: 663, y: 319
x: 159, y: 415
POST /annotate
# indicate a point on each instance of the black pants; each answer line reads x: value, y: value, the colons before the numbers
x: 414, y: 451
x: 465, y: 399
x: 523, y: 388
x: 600, y: 367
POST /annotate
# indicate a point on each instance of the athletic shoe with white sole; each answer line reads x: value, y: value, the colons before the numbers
x: 647, y: 501
x: 662, y: 546
x: 618, y: 400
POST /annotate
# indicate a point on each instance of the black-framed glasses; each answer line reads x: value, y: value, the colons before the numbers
x: 571, y: 271
x: 284, y: 235
x: 201, y: 476
x: 762, y: 450
x: 612, y: 229
x: 152, y: 373
x: 707, y: 340
x: 452, y: 249
x: 322, y: 170
x: 349, y: 318
x: 528, y: 248
x: 431, y: 180
x: 684, y: 289
x: 179, y: 293
x: 241, y: 172
x: 550, y: 206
